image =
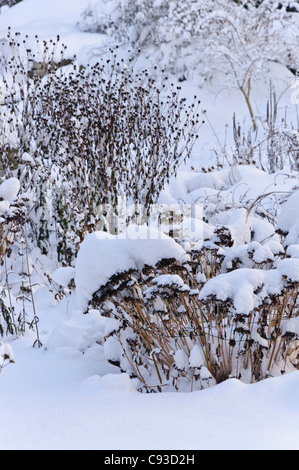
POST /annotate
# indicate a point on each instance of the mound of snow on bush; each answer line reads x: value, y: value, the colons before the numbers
x: 103, y: 255
x: 9, y: 189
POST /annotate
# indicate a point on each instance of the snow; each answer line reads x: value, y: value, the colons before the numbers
x: 74, y: 406
x: 66, y: 395
x: 261, y: 253
x: 246, y: 288
x: 6, y: 353
x: 239, y: 227
x: 63, y: 276
x: 290, y: 269
x: 4, y: 207
x: 170, y: 279
x: 2, y: 92
x: 293, y: 251
x: 181, y: 359
x: 9, y: 189
x: 27, y: 158
x: 102, y: 255
x: 196, y: 359
x: 238, y: 286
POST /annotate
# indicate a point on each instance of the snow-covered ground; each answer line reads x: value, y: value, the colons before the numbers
x: 63, y: 400
x: 66, y: 395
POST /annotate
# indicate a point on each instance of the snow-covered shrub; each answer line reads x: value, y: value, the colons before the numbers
x: 18, y: 259
x: 187, y: 320
x: 161, y: 320
x: 287, y: 224
x: 12, y: 217
x: 92, y: 134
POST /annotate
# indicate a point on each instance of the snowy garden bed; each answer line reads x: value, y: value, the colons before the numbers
x: 192, y: 285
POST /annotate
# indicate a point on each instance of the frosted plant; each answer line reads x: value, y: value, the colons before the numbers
x: 186, y: 321
x: 226, y: 42
x: 90, y: 135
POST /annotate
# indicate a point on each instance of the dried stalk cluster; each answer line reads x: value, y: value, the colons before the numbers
x: 93, y: 133
x: 12, y: 218
x: 171, y: 338
x: 277, y: 148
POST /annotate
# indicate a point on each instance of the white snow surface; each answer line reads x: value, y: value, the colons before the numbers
x: 56, y: 398
x: 65, y: 395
